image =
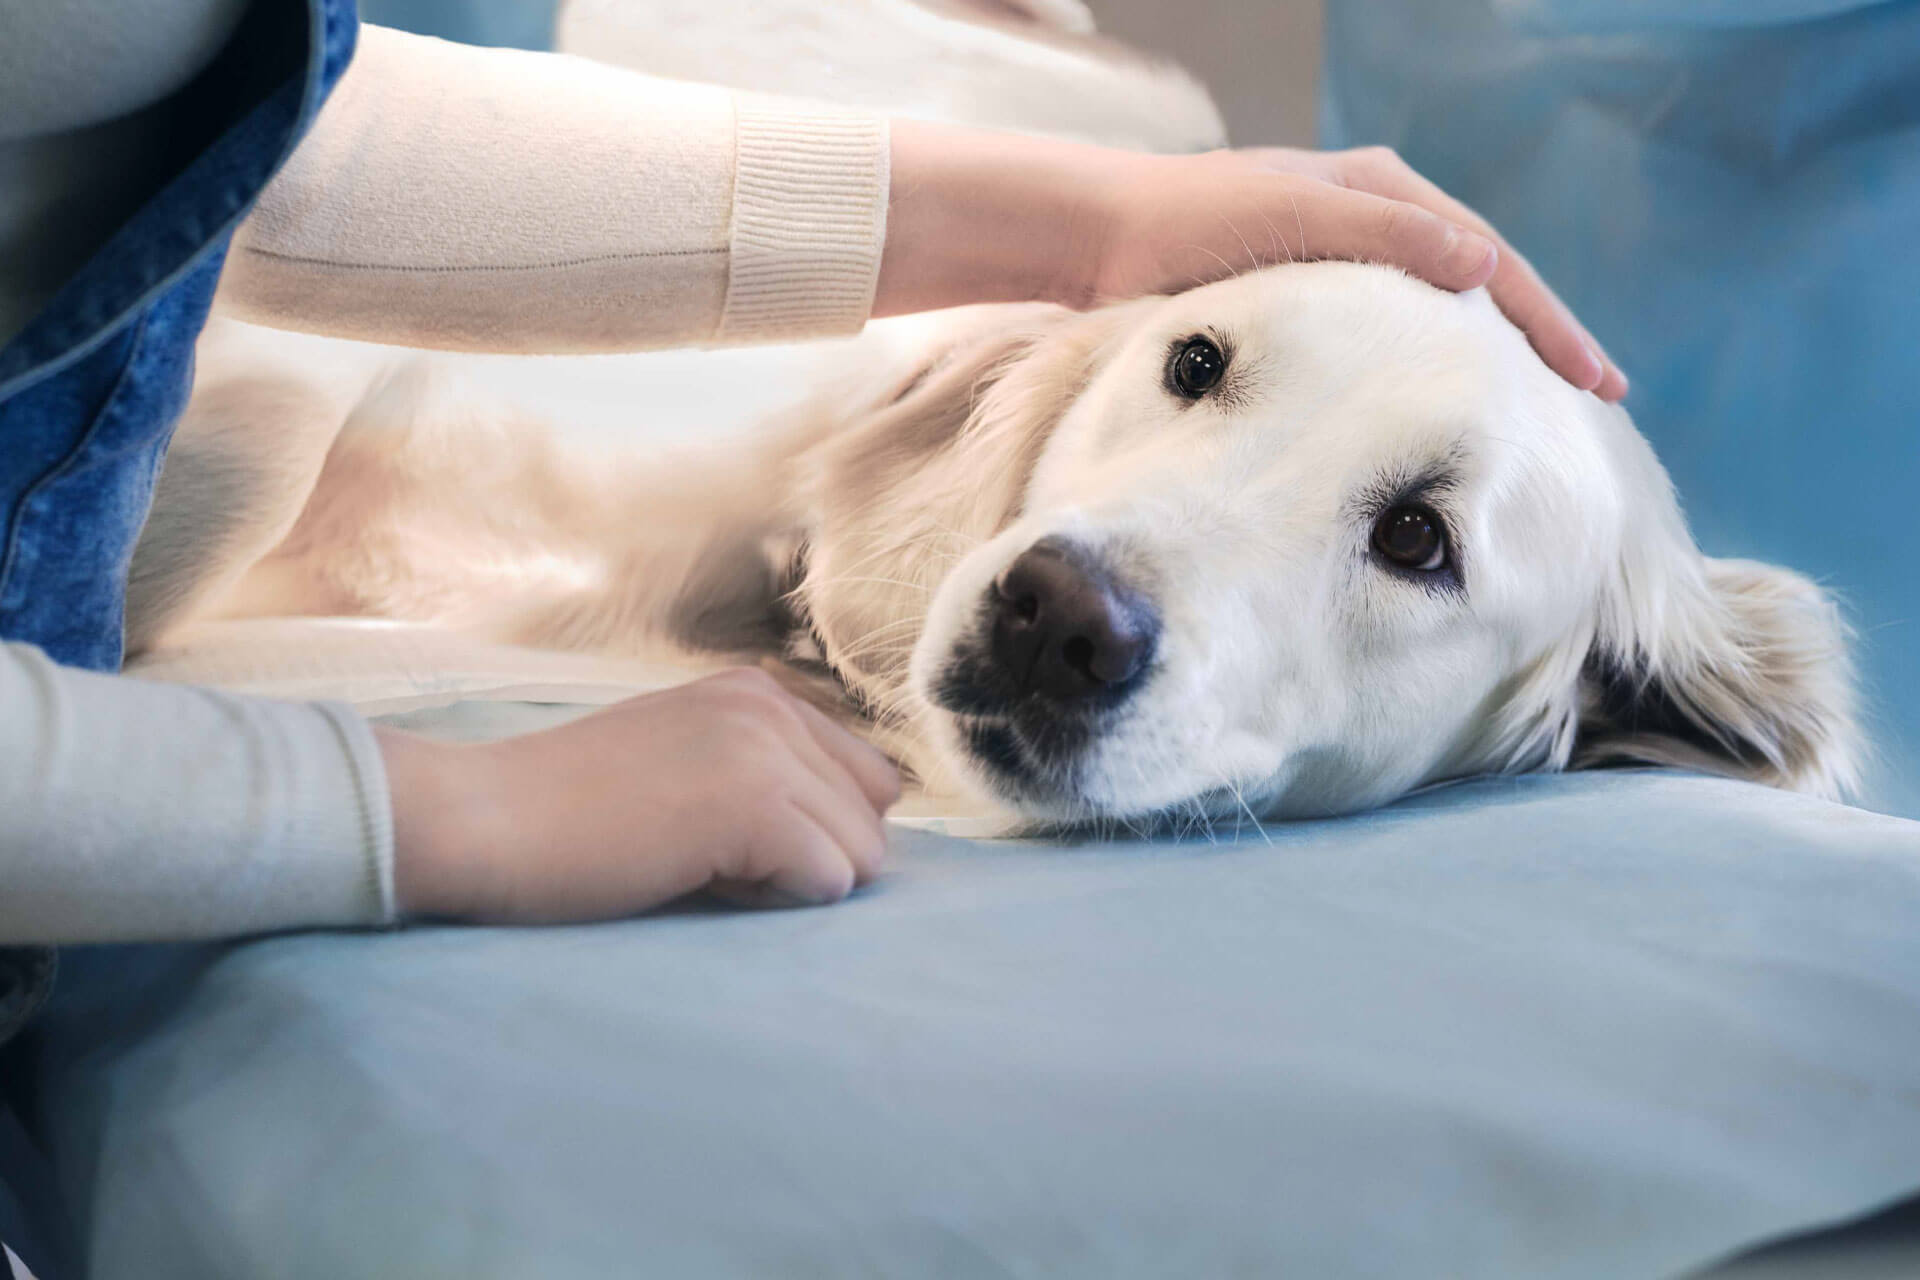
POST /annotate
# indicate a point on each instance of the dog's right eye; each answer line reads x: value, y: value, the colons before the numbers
x: 1411, y: 537
x: 1195, y: 367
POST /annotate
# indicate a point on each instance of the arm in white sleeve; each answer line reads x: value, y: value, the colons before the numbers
x: 499, y: 200
x: 138, y: 811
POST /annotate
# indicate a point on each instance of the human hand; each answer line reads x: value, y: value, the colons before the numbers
x: 982, y: 217
x: 729, y: 784
x: 1561, y: 340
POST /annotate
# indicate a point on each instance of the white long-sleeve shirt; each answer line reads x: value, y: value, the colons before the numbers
x: 447, y: 196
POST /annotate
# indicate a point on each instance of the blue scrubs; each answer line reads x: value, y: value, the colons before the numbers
x: 1728, y: 193
x: 90, y: 391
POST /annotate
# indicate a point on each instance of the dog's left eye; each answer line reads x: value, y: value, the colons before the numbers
x: 1410, y: 537
x: 1196, y: 367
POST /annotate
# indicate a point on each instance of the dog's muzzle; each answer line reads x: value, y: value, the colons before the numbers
x: 1062, y: 643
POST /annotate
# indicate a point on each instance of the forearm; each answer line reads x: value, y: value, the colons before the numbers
x: 496, y: 200
x: 131, y: 810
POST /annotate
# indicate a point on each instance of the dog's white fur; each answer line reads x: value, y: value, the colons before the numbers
x: 1295, y: 674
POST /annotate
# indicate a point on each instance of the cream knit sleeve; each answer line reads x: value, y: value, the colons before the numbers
x: 496, y: 200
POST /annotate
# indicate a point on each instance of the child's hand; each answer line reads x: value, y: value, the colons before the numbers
x: 729, y: 783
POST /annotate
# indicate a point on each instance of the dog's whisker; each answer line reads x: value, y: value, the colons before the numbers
x: 879, y: 638
x: 1252, y: 261
x: 1246, y: 808
x: 1277, y: 246
x: 1231, y: 270
x: 844, y: 578
x: 912, y: 620
x: 893, y: 547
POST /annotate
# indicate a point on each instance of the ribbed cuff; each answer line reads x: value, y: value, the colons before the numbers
x: 374, y: 815
x: 809, y: 221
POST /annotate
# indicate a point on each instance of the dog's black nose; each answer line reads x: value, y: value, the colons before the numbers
x: 1066, y: 628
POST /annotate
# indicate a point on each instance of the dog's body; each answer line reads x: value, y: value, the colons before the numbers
x: 1291, y: 544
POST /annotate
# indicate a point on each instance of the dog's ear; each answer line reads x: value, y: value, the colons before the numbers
x: 1726, y: 666
x: 956, y: 440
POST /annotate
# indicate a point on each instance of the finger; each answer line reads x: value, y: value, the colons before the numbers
x: 754, y: 895
x: 838, y: 808
x: 854, y: 769
x: 829, y: 790
x: 858, y: 832
x: 1549, y: 326
x: 872, y: 771
x: 808, y: 864
x: 1341, y: 222
x: 1516, y: 287
x: 1614, y: 385
x: 1561, y: 341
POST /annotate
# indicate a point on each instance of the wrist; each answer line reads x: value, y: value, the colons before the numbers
x: 976, y: 216
x: 441, y: 793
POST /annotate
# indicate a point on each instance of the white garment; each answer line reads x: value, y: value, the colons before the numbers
x: 455, y: 197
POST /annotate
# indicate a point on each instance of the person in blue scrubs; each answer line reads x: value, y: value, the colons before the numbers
x: 1728, y: 193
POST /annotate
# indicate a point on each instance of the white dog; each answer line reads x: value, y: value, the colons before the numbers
x: 1291, y: 544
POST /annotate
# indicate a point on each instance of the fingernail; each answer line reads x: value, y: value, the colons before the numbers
x: 1466, y: 255
x: 1619, y: 374
x: 1597, y: 368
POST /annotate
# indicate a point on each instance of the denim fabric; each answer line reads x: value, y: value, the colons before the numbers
x: 91, y: 389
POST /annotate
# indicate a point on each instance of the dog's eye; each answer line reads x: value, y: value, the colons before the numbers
x: 1411, y: 537
x: 1196, y: 368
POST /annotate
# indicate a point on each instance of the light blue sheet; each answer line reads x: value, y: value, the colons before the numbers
x: 1728, y: 192
x: 1605, y: 1025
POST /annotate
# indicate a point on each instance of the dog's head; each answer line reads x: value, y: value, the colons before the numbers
x: 1295, y: 543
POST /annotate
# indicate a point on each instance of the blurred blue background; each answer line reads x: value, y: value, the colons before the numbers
x: 519, y: 24
x: 1726, y: 191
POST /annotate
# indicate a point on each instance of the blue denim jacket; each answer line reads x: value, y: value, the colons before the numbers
x: 91, y: 389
